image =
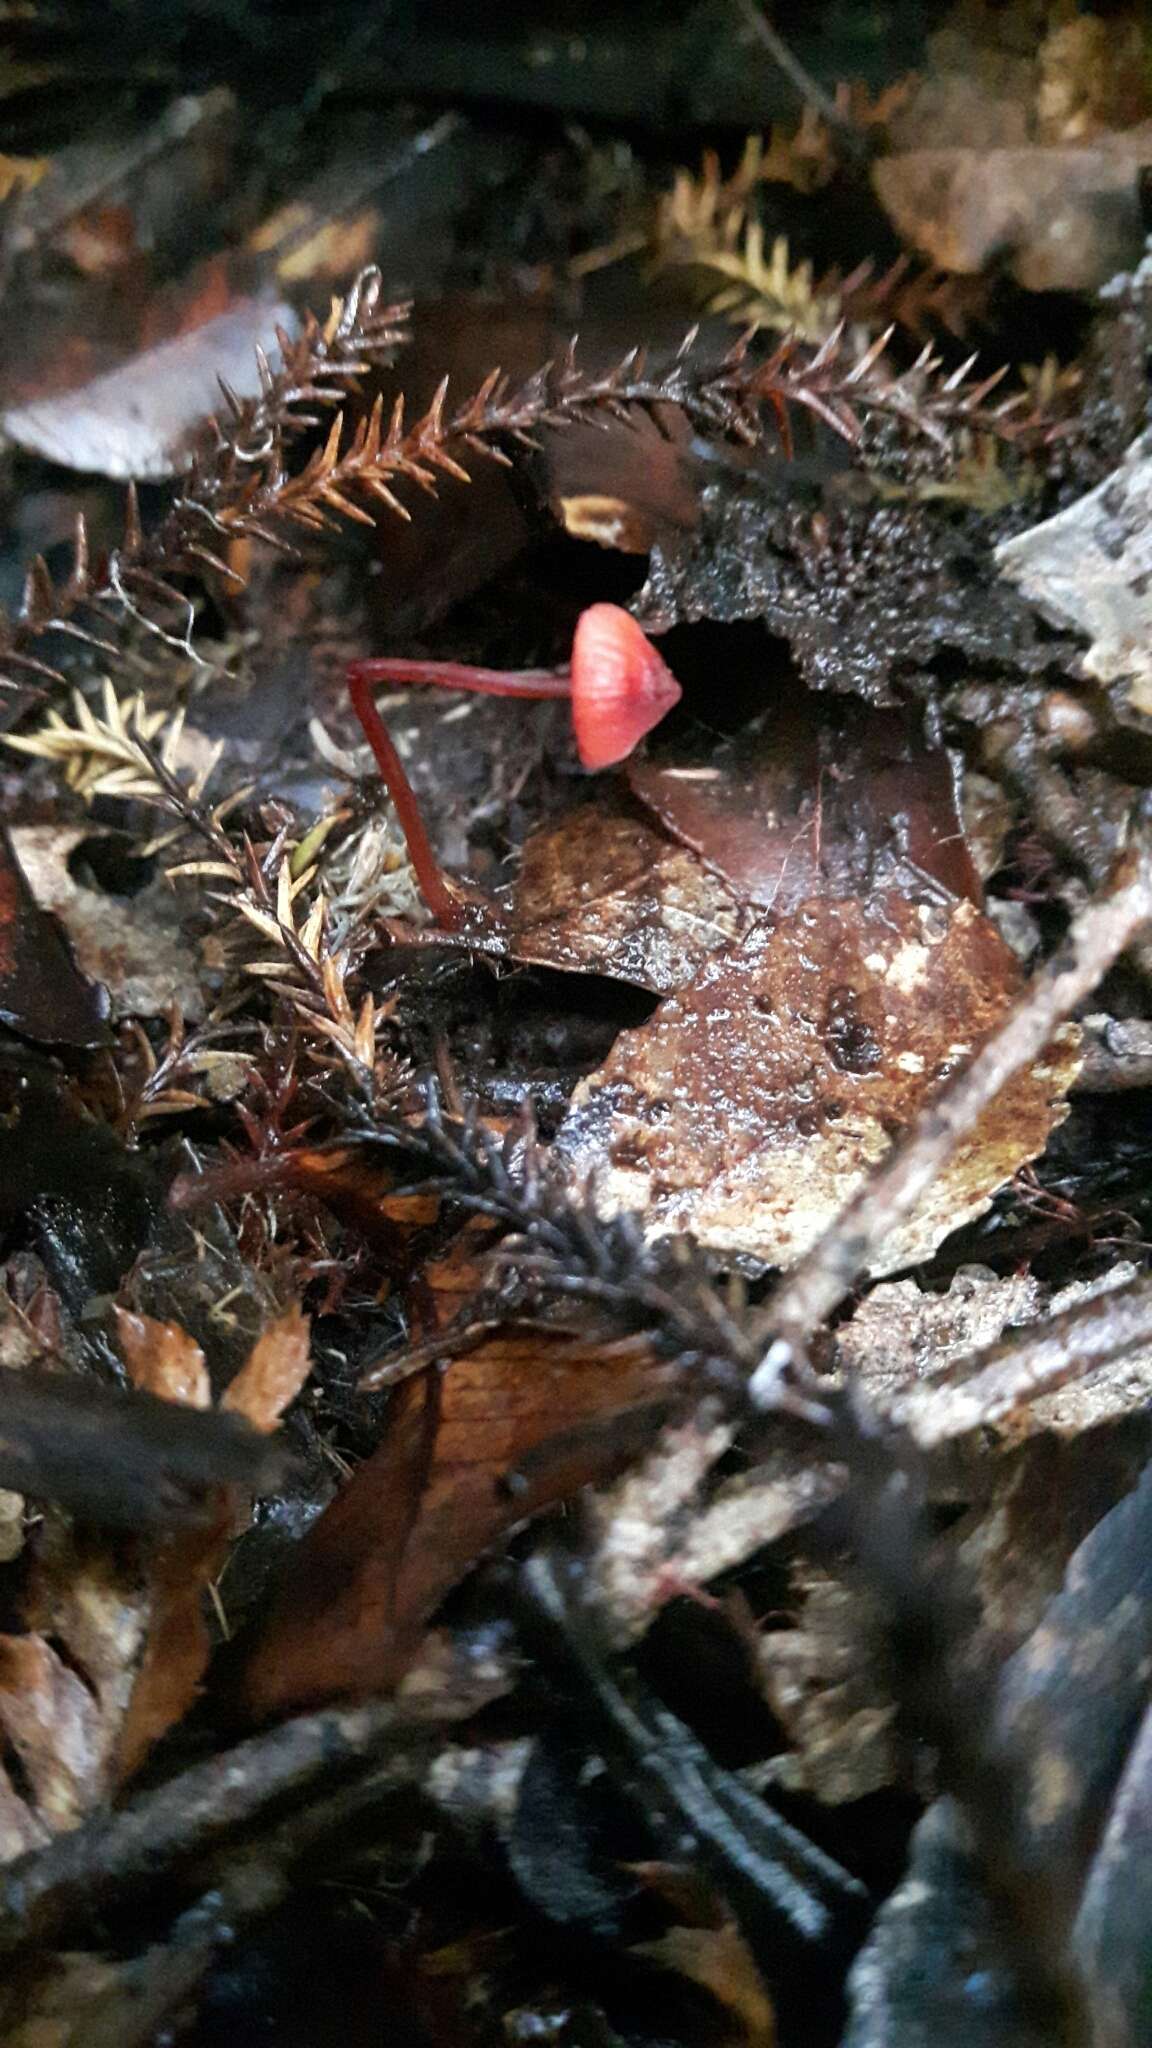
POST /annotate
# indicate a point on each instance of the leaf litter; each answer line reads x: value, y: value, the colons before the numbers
x: 616, y: 1404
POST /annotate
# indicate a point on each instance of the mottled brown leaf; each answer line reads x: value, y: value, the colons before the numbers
x: 750, y: 1107
x: 604, y: 891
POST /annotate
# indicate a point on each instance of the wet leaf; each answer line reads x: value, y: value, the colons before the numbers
x: 468, y: 1452
x: 604, y: 891
x: 750, y: 1107
x: 42, y: 992
x: 802, y: 803
x: 177, y: 1645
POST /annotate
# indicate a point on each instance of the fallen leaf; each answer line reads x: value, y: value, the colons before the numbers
x: 934, y: 1364
x: 43, y: 994
x: 163, y: 1359
x: 820, y: 1679
x: 273, y: 1373
x: 65, y: 1682
x: 177, y: 1646
x: 135, y: 950
x: 467, y: 1453
x: 604, y: 891
x: 1059, y: 219
x: 813, y: 800
x: 751, y: 1106
x: 135, y: 421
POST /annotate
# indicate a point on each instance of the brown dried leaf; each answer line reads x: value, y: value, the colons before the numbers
x: 751, y: 1106
x: 502, y: 1433
x: 163, y: 1359
x: 1061, y: 219
x: 42, y: 991
x: 603, y: 891
x: 274, y: 1371
x: 177, y: 1646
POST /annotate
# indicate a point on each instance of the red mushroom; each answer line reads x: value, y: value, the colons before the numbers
x: 619, y: 685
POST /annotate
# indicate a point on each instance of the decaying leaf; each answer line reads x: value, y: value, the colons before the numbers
x: 820, y: 1679
x: 751, y: 1106
x: 163, y: 1359
x: 604, y: 891
x: 1059, y: 219
x: 42, y: 991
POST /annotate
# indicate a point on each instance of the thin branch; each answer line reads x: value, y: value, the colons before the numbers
x: 53, y: 1889
x: 982, y: 1390
x: 802, y: 79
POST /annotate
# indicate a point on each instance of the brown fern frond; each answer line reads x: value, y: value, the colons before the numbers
x: 243, y: 487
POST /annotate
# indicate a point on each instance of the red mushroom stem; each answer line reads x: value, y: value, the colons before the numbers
x: 363, y: 678
x: 619, y: 686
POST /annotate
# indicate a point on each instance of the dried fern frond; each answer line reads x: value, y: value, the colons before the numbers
x: 759, y: 290
x: 115, y: 754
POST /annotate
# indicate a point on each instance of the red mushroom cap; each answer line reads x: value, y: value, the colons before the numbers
x: 621, y: 687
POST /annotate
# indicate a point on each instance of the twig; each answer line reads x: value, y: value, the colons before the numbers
x: 984, y: 1389
x: 826, y: 1273
x: 44, y: 1894
x: 805, y: 84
